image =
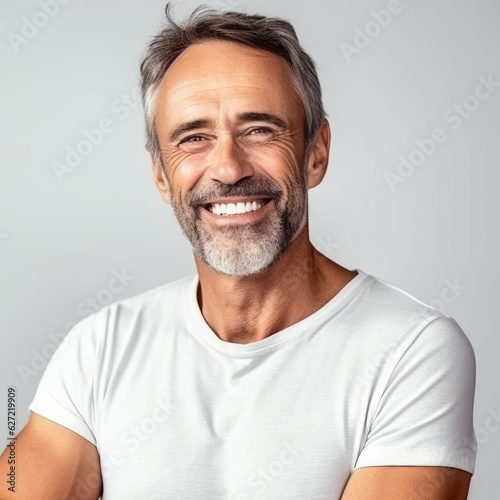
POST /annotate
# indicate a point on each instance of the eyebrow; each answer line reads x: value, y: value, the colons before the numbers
x: 187, y: 127
x: 262, y: 117
x: 244, y: 117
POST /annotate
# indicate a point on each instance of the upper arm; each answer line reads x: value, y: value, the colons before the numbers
x: 54, y: 462
x: 407, y: 483
x: 424, y: 414
x: 421, y: 443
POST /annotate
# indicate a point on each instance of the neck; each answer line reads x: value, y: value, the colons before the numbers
x: 250, y: 308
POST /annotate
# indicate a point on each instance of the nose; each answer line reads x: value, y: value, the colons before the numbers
x: 229, y: 163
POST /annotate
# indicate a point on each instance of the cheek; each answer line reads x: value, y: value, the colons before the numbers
x: 288, y: 169
x: 183, y: 171
x: 281, y: 160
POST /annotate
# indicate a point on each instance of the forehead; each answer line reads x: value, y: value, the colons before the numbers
x: 228, y: 73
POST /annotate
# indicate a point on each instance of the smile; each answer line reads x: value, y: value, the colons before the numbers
x: 238, y: 208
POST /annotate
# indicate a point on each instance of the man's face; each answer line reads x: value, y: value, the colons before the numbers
x: 231, y: 131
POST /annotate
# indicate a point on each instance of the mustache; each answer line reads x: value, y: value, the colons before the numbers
x: 261, y: 187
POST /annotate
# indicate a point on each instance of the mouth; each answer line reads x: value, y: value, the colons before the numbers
x: 231, y: 208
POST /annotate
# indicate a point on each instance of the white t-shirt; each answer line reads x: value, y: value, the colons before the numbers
x: 374, y: 377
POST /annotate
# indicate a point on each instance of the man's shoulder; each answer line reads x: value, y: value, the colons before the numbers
x: 165, y: 295
x: 387, y: 314
x: 389, y: 327
x: 143, y: 311
x: 386, y: 301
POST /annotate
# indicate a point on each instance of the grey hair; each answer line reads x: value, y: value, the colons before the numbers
x: 267, y: 33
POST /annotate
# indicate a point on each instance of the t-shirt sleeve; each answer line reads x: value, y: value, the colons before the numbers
x: 425, y: 414
x: 65, y: 393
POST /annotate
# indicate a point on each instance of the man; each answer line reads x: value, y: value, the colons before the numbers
x: 274, y: 372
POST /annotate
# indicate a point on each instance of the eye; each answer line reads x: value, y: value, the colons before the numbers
x: 192, y: 138
x: 259, y: 135
x: 260, y: 131
x: 194, y: 143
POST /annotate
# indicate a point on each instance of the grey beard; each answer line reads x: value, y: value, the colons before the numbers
x: 243, y: 250
x: 245, y: 255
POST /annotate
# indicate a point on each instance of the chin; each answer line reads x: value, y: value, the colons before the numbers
x: 238, y: 263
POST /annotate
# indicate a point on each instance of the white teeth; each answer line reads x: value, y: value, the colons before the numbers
x: 234, y: 208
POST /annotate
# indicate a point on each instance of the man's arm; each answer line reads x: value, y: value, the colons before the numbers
x: 407, y: 483
x: 53, y: 462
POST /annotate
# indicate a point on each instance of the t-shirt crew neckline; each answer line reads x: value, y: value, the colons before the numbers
x: 207, y: 335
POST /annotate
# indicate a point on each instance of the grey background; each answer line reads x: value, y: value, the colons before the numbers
x: 61, y: 239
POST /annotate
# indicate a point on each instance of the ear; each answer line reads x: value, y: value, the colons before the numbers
x: 319, y: 155
x: 160, y: 178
